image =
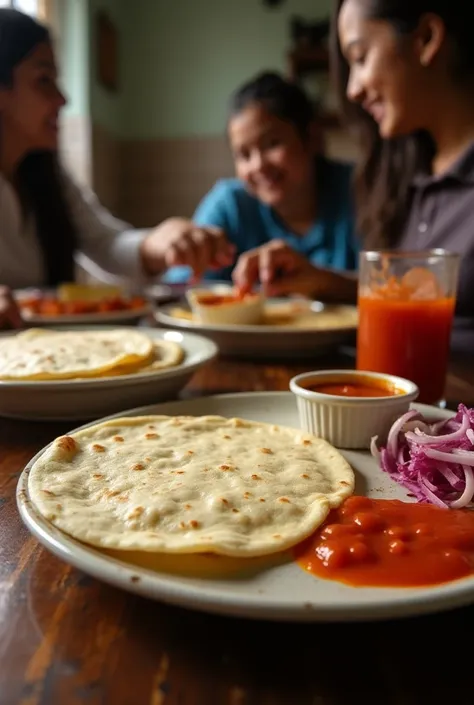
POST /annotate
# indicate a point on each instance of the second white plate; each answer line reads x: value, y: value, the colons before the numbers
x: 81, y: 399
x: 271, y: 341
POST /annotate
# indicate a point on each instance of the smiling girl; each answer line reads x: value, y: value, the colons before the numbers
x: 406, y: 70
x: 286, y: 200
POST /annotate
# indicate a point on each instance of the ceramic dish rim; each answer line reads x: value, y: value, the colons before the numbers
x: 333, y: 400
x: 163, y: 317
x: 209, y: 351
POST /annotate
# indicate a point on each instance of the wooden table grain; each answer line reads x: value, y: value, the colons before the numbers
x: 67, y: 639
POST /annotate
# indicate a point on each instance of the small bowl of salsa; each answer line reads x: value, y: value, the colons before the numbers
x: 225, y: 308
x: 348, y: 407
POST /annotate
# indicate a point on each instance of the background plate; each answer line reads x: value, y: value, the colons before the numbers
x: 256, y: 342
x: 81, y: 399
x: 283, y: 592
x: 115, y: 317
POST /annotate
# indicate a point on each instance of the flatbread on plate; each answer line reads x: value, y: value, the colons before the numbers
x: 185, y: 484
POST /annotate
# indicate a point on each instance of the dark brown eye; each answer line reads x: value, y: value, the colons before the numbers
x: 243, y: 155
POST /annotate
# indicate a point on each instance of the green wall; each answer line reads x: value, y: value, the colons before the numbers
x: 73, y: 50
x: 76, y: 46
x: 179, y: 60
x: 107, y: 107
x: 184, y: 57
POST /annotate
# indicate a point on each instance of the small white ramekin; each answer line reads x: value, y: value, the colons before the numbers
x: 248, y: 311
x: 349, y: 422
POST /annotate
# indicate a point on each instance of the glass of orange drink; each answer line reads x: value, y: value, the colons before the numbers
x: 406, y: 303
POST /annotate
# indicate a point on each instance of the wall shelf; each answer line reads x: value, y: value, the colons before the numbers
x: 304, y: 61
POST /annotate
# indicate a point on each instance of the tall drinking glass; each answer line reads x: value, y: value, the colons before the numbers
x: 406, y: 305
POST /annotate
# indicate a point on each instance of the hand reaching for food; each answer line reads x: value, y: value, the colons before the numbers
x: 179, y: 242
x: 10, y: 316
x: 282, y: 271
x: 278, y: 268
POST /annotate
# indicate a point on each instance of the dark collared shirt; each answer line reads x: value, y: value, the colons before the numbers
x: 442, y: 215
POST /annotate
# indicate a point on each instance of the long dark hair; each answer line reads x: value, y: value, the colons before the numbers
x: 387, y: 167
x: 38, y: 177
x: 282, y: 98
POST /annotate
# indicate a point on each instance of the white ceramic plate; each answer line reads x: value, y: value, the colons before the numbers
x: 106, y: 317
x: 279, y: 593
x: 109, y: 317
x: 80, y: 399
x: 264, y: 341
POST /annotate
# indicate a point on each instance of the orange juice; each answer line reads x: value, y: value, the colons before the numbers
x: 407, y: 338
x: 406, y: 310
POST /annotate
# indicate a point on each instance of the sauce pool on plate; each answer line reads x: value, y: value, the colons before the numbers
x: 388, y: 543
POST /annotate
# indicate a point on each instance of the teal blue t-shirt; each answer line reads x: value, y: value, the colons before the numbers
x: 248, y: 223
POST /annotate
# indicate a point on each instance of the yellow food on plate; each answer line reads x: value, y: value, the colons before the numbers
x: 165, y: 354
x: 297, y: 314
x: 87, y: 292
x: 188, y: 484
x: 41, y: 354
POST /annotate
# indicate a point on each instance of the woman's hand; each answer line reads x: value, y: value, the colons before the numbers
x: 283, y: 271
x: 178, y: 242
x: 278, y: 268
x: 10, y: 316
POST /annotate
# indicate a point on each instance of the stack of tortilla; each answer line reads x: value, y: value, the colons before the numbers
x: 189, y: 485
x: 41, y: 354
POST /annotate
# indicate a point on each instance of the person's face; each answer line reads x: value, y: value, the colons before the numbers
x: 29, y: 108
x: 390, y: 76
x: 270, y: 156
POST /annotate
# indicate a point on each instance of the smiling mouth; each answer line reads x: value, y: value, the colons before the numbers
x: 376, y: 110
x: 268, y: 183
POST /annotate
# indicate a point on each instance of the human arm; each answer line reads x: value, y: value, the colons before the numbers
x: 222, y: 208
x: 180, y: 242
x: 137, y: 253
x: 217, y: 213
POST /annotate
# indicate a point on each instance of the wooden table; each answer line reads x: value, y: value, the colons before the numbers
x: 67, y: 639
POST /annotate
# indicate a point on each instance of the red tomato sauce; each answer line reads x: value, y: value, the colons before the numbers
x: 220, y: 300
x: 210, y: 300
x: 388, y: 543
x: 354, y: 390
